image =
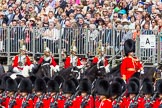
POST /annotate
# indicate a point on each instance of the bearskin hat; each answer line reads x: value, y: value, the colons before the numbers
x: 122, y: 83
x: 148, y: 88
x: 136, y: 80
x: 46, y: 79
x: 59, y: 79
x: 132, y: 88
x: 75, y: 81
x: 159, y: 86
x: 25, y: 85
x: 103, y: 87
x: 85, y: 86
x: 32, y: 79
x: 40, y: 85
x: 115, y: 89
x: 129, y: 46
x: 11, y: 85
x: 53, y: 86
x: 4, y: 79
x: 69, y: 87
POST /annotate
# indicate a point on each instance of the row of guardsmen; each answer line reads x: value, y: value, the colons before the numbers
x: 35, y: 92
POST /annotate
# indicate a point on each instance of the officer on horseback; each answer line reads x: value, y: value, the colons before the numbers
x: 48, y: 59
x: 22, y: 64
x: 73, y: 60
x: 131, y: 66
x: 101, y: 57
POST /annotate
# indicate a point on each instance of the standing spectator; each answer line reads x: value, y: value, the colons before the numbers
x: 17, y: 14
x: 136, y: 33
x: 10, y: 15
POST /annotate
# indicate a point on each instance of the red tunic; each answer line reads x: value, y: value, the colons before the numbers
x: 53, y: 62
x: 97, y: 102
x: 16, y: 62
x: 157, y: 103
x: 67, y: 63
x: 106, y: 104
x: 128, y: 101
x: 95, y: 60
x: 90, y: 103
x: 143, y: 102
x: 127, y: 67
x: 19, y: 102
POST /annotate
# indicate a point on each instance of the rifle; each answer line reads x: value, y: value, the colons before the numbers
x: 148, y: 104
x: 118, y: 100
x: 25, y: 103
x: 39, y: 104
x: 135, y: 103
x: 69, y: 101
x: 13, y: 100
x: 3, y: 96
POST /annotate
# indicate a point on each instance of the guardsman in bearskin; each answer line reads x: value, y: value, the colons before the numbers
x: 22, y: 64
x: 103, y: 92
x: 53, y: 90
x: 47, y: 58
x: 40, y: 91
x: 69, y: 89
x: 101, y: 57
x: 132, y: 99
x: 115, y: 93
x: 73, y: 60
x: 85, y: 100
x: 148, y: 90
x: 130, y: 65
x: 24, y: 99
x: 158, y: 101
x: 11, y: 89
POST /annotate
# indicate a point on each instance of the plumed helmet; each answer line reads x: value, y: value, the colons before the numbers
x: 148, y: 88
x: 40, y: 85
x: 25, y: 85
x: 129, y: 46
x: 103, y: 87
x: 85, y: 86
x: 132, y: 88
x: 69, y: 87
x: 73, y: 46
x: 115, y: 89
x: 46, y: 49
x: 11, y: 85
x: 53, y: 86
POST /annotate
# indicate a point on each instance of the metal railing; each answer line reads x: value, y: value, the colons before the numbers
x: 86, y: 40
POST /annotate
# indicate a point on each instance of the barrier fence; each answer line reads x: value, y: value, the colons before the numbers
x: 86, y: 40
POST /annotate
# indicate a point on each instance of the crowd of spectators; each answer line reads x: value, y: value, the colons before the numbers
x: 92, y: 14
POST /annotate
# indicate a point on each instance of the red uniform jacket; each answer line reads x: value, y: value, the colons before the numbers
x: 90, y: 103
x: 120, y: 104
x: 106, y: 104
x: 16, y: 64
x: 128, y: 101
x: 95, y: 60
x: 53, y: 62
x: 143, y: 102
x: 129, y: 66
x: 19, y: 102
x: 157, y: 103
x: 67, y: 63
x: 97, y: 102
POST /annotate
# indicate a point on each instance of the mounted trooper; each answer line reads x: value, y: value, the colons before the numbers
x: 101, y: 57
x: 22, y: 64
x: 48, y: 59
x: 73, y: 60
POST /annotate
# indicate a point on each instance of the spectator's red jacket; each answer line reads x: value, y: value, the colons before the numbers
x: 52, y: 61
x: 16, y: 61
x: 67, y: 62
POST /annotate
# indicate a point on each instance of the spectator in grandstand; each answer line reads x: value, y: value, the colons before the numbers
x: 10, y: 15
